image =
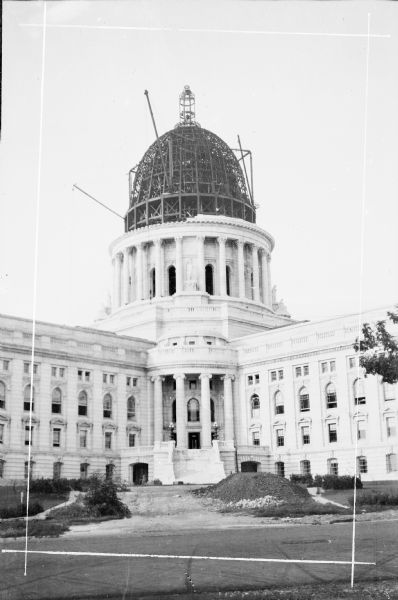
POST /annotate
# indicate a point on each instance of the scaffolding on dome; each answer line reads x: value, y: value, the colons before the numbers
x: 186, y: 172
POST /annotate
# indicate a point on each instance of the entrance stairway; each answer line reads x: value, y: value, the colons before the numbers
x: 189, y: 466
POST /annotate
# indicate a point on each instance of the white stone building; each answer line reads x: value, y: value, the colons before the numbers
x: 197, y: 371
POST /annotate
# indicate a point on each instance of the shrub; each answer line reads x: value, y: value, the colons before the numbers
x: 102, y: 498
x: 157, y: 482
x: 306, y: 480
x: 389, y: 498
x: 57, y: 486
x: 336, y: 482
x: 11, y: 512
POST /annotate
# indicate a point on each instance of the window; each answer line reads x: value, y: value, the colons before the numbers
x: 1, y: 433
x: 109, y: 470
x: 82, y: 404
x: 193, y: 410
x: 331, y: 396
x: 131, y: 440
x: 83, y: 435
x: 62, y: 372
x: 172, y: 280
x: 304, y: 400
x: 111, y: 379
x: 128, y: 381
x: 256, y: 438
x: 391, y: 427
x: 56, y: 438
x: 108, y: 440
x: 83, y: 471
x: 332, y: 430
x: 35, y: 369
x: 108, y: 378
x: 280, y: 374
x: 57, y: 470
x: 257, y: 378
x: 305, y: 434
x: 353, y: 362
x: 250, y: 379
x: 280, y: 468
x: 26, y: 398
x: 6, y: 365
x: 131, y: 408
x: 212, y: 411
x: 209, y: 279
x: 2, y: 465
x: 135, y: 380
x: 28, y: 435
x: 104, y: 378
x: 56, y: 401
x: 191, y: 343
x: 255, y: 406
x: 361, y: 430
x: 273, y: 375
x: 192, y: 384
x: 83, y: 375
x: 228, y: 280
x: 280, y: 437
x: 298, y: 371
x: 279, y: 404
x: 53, y: 371
x: 362, y: 464
x: 391, y: 462
x: 107, y: 406
x: 26, y: 368
x: 359, y: 393
x: 306, y: 370
x: 324, y: 367
x: 332, y: 365
x: 2, y: 395
x: 389, y: 391
x: 152, y: 283
x: 305, y: 467
x: 333, y: 466
x: 29, y: 469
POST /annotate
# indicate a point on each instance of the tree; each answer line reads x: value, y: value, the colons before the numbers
x: 379, y: 349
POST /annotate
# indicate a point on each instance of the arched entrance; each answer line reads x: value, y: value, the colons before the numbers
x: 249, y: 466
x: 139, y: 473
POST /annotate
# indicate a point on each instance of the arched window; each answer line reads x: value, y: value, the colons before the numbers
x: 212, y: 411
x: 152, y: 283
x: 107, y: 405
x: 172, y: 280
x: 2, y: 467
x: 57, y: 470
x: 333, y: 466
x: 304, y: 400
x: 362, y: 462
x: 109, y: 471
x: 280, y: 468
x: 331, y: 396
x: 228, y: 279
x: 305, y: 467
x: 131, y: 408
x: 174, y: 411
x: 56, y: 401
x: 193, y: 410
x: 209, y: 279
x: 359, y: 392
x: 279, y: 403
x: 255, y: 406
x: 82, y: 404
x: 2, y: 395
x: 26, y: 398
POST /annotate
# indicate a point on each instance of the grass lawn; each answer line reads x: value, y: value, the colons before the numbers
x: 342, y: 496
x: 11, y: 496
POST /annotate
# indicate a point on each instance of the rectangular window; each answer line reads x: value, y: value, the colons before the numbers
x: 391, y: 427
x: 62, y: 372
x: 104, y: 378
x: 53, y: 371
x: 306, y: 370
x: 131, y: 440
x: 359, y: 400
x: 6, y: 365
x: 111, y: 379
x: 2, y: 463
x: 304, y: 402
x: 83, y: 438
x: 391, y: 462
x: 135, y: 381
x: 35, y: 369
x: 250, y: 379
x: 280, y: 374
x: 192, y: 384
x: 389, y: 391
x: 273, y: 375
x: 352, y: 362
x: 333, y: 466
x: 305, y: 435
x: 57, y: 470
x: 331, y: 399
x: 108, y: 440
x: 87, y: 376
x: 332, y: 428
x: 1, y: 433
x: 332, y: 365
x: 298, y: 371
x: 280, y: 437
x: 128, y: 381
x: 324, y: 367
x: 28, y: 438
x: 362, y: 464
x: 80, y: 375
x: 26, y: 368
x: 305, y: 467
x: 256, y: 438
x: 56, y: 438
x: 361, y: 430
x: 84, y: 471
x: 257, y: 378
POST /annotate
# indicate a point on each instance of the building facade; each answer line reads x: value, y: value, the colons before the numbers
x: 196, y: 370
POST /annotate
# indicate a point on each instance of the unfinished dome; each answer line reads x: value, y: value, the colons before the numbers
x: 187, y: 171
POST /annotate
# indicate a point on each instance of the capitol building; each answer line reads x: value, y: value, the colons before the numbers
x: 197, y: 370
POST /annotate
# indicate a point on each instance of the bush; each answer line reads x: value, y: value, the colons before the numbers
x: 336, y: 482
x: 57, y: 486
x: 389, y: 498
x: 157, y: 482
x: 11, y: 512
x: 102, y: 498
x: 306, y: 480
x: 35, y: 528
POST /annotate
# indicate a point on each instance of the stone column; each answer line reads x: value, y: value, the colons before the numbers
x: 126, y: 276
x: 158, y: 268
x: 228, y: 409
x: 201, y: 262
x: 138, y: 271
x: 256, y: 278
x: 116, y: 281
x: 162, y: 272
x: 241, y: 269
x: 131, y: 279
x: 180, y: 412
x: 158, y: 409
x: 179, y: 274
x: 145, y: 272
x: 269, y: 289
x: 205, y: 413
x: 222, y: 265
x: 264, y: 276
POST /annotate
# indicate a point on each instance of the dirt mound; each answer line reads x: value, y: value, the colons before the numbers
x: 249, y: 486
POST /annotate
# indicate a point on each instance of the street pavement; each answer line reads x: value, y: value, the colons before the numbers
x: 66, y: 576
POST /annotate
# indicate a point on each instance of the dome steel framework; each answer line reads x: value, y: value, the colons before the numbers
x: 187, y: 171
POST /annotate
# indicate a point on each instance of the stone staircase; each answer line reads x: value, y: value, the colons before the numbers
x: 198, y: 466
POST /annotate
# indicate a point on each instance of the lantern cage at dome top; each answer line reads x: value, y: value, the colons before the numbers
x: 187, y: 171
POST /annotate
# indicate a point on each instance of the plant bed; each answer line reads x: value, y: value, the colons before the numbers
x: 17, y: 528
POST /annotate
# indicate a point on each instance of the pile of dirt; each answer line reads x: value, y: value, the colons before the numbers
x: 249, y: 486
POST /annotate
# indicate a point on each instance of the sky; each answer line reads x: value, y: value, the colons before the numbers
x: 319, y: 113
